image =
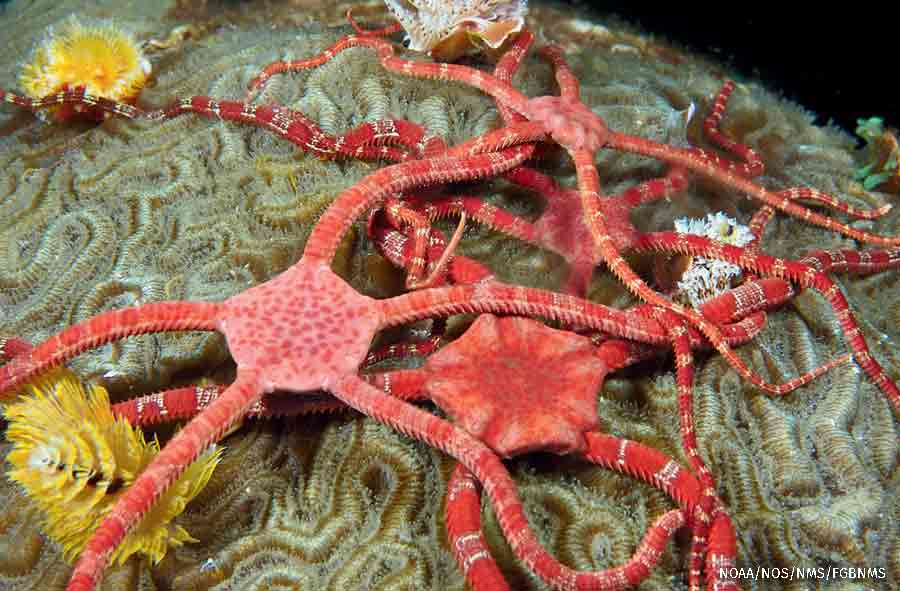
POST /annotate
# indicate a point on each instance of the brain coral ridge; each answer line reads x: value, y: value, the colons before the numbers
x: 131, y: 212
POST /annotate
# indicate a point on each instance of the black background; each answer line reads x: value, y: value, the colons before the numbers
x: 840, y: 64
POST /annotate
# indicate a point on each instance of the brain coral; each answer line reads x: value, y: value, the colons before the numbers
x: 93, y: 218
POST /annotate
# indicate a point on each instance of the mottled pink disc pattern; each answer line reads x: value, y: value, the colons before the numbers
x: 305, y: 327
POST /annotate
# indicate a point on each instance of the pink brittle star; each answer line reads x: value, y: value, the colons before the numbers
x: 520, y: 386
x: 307, y: 330
x: 242, y: 314
x: 581, y: 132
x: 309, y: 300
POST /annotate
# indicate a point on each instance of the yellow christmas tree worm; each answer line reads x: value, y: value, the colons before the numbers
x: 74, y: 458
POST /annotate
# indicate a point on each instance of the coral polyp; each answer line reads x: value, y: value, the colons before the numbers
x: 694, y: 279
x: 98, y: 56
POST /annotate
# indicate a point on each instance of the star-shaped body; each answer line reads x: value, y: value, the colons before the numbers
x: 518, y: 385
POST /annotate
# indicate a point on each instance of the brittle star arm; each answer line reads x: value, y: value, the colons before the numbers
x: 399, y: 249
x: 536, y: 110
x: 807, y: 275
x: 369, y: 141
x: 656, y: 468
x: 102, y: 329
x: 185, y: 447
x: 177, y: 404
x: 499, y: 298
x: 769, y: 292
x: 580, y: 143
x: 487, y: 83
x: 378, y: 186
x: 180, y: 404
x: 501, y: 489
x: 702, y: 516
x: 463, y: 512
x: 781, y: 200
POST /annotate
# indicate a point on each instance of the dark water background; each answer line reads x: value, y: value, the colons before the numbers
x: 840, y: 61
